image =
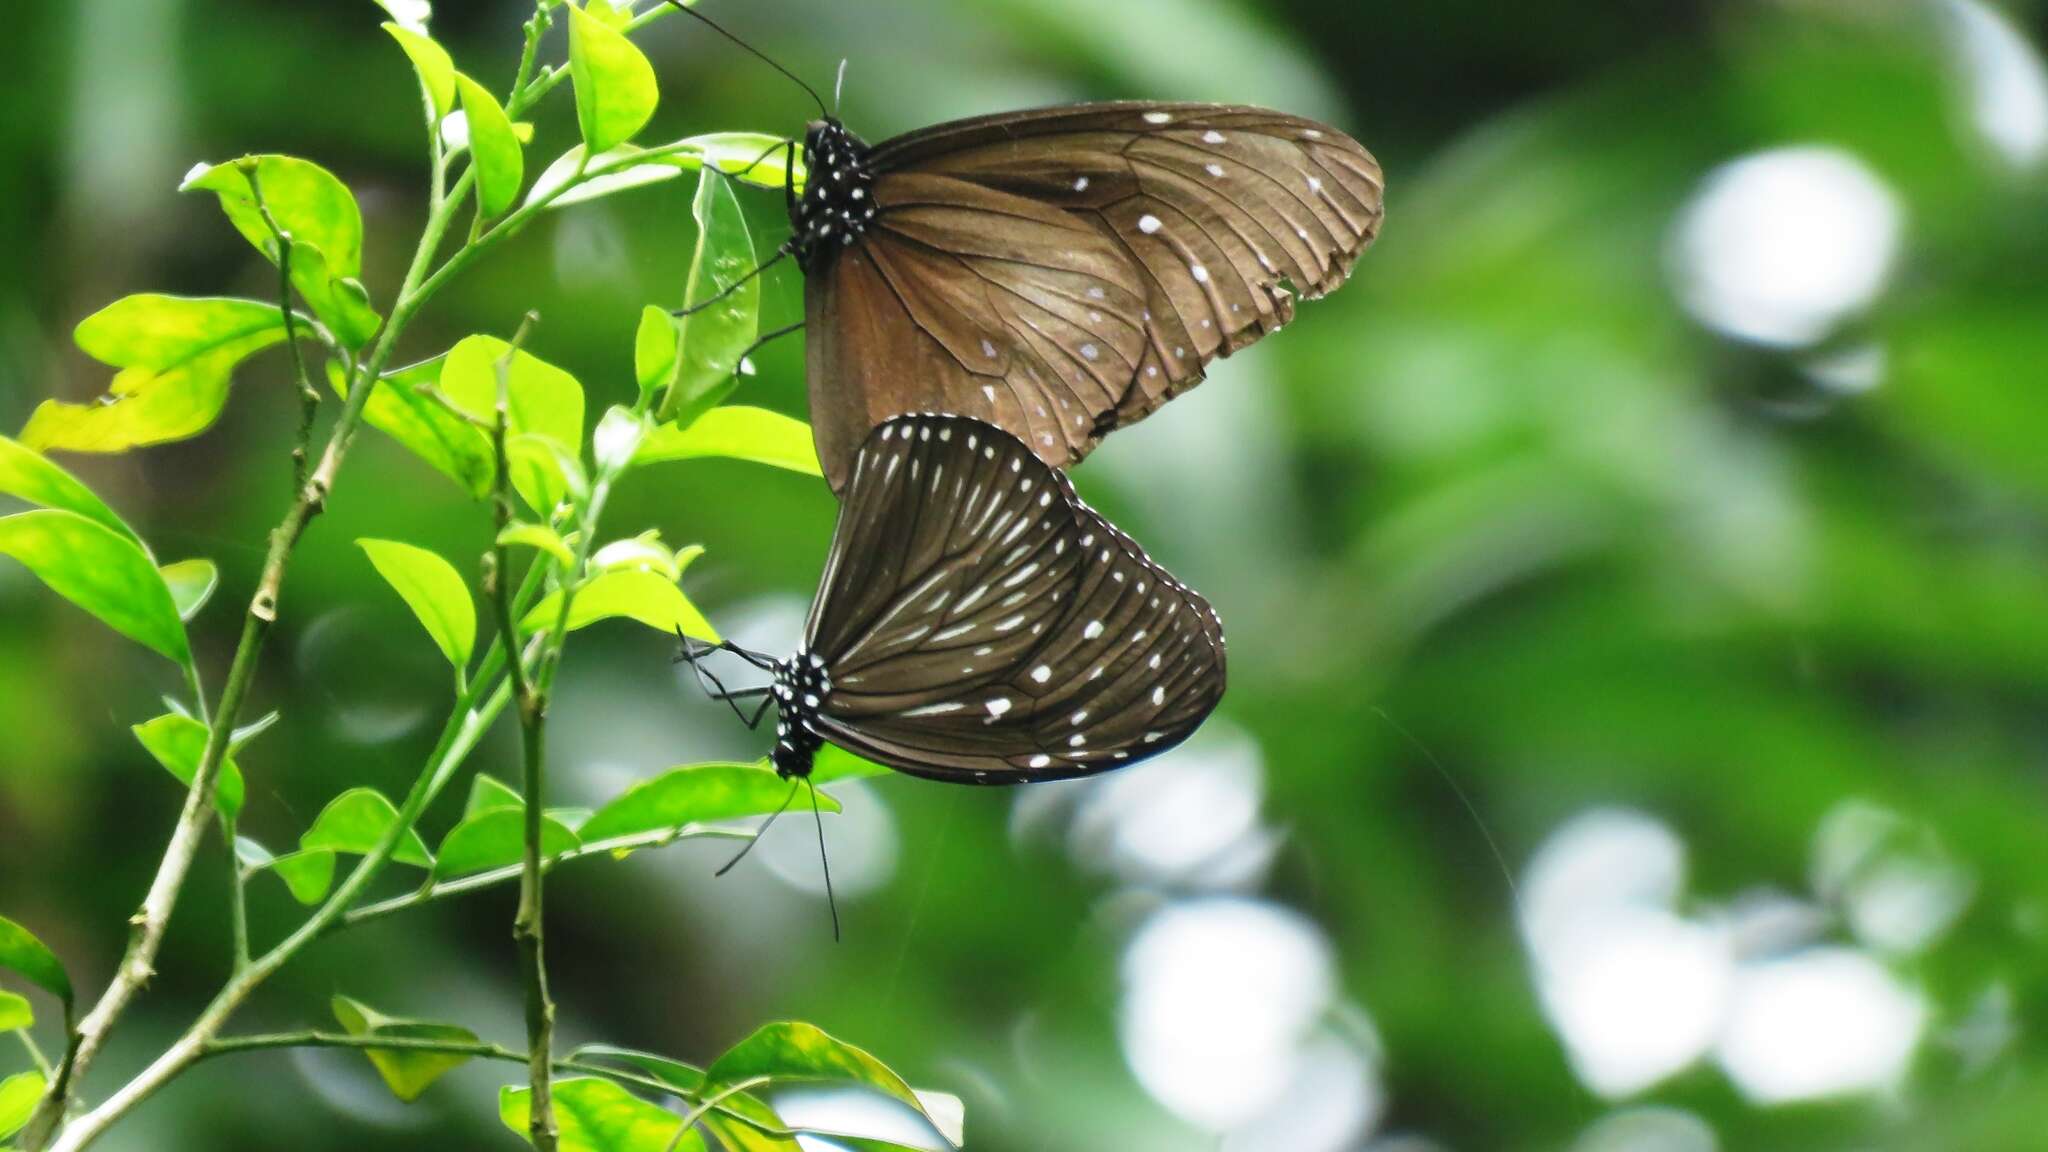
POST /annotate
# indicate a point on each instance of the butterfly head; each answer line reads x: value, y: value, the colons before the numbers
x: 801, y: 683
x: 838, y: 202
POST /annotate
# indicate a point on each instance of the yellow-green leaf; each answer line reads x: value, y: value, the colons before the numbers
x: 795, y: 1052
x: 493, y: 147
x: 178, y: 743
x: 695, y: 794
x: 652, y: 599
x: 495, y: 839
x: 430, y: 60
x: 736, y: 432
x: 29, y: 476
x: 434, y: 591
x: 716, y: 336
x: 191, y: 583
x: 102, y: 572
x: 355, y: 821
x: 309, y: 875
x: 18, y: 1097
x: 540, y: 537
x: 615, y: 86
x: 15, y: 1013
x: 655, y: 348
x: 404, y: 409
x: 488, y: 794
x: 175, y: 356
x: 407, y: 1072
x: 599, y: 1116
x: 543, y: 399
x: 320, y: 215
x: 28, y: 957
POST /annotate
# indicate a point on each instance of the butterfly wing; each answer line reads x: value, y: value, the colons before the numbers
x: 991, y: 627
x: 1054, y: 232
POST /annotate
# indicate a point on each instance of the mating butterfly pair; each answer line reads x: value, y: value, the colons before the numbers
x: 986, y: 299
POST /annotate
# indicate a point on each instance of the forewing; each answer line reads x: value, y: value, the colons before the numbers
x: 1108, y: 659
x: 1220, y: 210
x: 969, y: 300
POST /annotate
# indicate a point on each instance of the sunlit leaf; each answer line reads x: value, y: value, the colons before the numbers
x: 642, y: 553
x: 543, y: 400
x: 191, y: 583
x: 103, y: 572
x: 29, y: 476
x: 412, y: 14
x: 617, y: 438
x: 175, y: 355
x: 403, y: 409
x: 696, y: 794
x: 836, y: 763
x: 651, y: 599
x: 18, y: 1097
x: 309, y: 875
x: 356, y: 821
x: 319, y: 213
x: 487, y: 794
x: 795, y: 1052
x: 495, y: 839
x: 714, y: 337
x: 746, y: 156
x: 599, y: 1116
x: 540, y: 537
x: 688, y: 1082
x: 545, y: 474
x: 615, y: 85
x: 655, y: 347
x: 430, y: 60
x: 251, y: 730
x: 408, y: 1073
x: 435, y: 592
x: 15, y: 1012
x: 252, y: 855
x: 26, y: 956
x: 736, y: 432
x: 179, y: 743
x: 493, y: 147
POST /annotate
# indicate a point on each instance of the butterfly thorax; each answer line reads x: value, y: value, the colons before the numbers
x: 838, y: 202
x: 801, y: 683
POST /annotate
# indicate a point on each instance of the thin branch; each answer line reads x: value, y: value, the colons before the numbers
x: 697, y: 1114
x: 309, y: 396
x: 529, y: 929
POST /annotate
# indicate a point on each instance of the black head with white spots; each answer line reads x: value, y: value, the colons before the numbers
x: 838, y: 202
x: 801, y: 684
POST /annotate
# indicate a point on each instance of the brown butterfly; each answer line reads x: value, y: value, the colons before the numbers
x: 1062, y: 272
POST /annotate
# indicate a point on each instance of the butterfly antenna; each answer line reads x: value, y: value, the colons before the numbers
x: 838, y: 88
x: 733, y: 287
x: 759, y: 832
x: 714, y: 26
x: 831, y: 901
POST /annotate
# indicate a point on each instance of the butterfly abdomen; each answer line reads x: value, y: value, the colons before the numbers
x: 801, y: 684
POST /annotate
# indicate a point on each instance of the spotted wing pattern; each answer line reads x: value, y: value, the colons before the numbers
x: 1064, y: 272
x: 964, y: 647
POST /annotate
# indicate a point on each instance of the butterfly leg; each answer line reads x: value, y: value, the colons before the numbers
x: 780, y: 254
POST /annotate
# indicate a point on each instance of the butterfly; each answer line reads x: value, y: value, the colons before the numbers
x: 978, y: 623
x: 1060, y: 272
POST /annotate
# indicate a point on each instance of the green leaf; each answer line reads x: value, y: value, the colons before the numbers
x: 320, y: 215
x: 488, y: 794
x: 615, y: 86
x: 599, y: 1116
x: 103, y: 572
x: 836, y: 763
x: 495, y: 839
x: 737, y: 1135
x: 15, y: 1013
x: 736, y: 432
x: 191, y: 583
x: 695, y: 794
x: 404, y: 409
x: 309, y: 875
x: 252, y: 855
x: 434, y: 591
x: 653, y: 600
x: 175, y: 356
x: 23, y: 954
x: 407, y: 1073
x: 540, y: 537
x: 656, y: 347
x: 355, y: 821
x: 29, y: 476
x: 543, y: 400
x: 493, y: 147
x: 617, y: 438
x: 714, y: 339
x: 642, y: 553
x: 19, y: 1095
x: 545, y: 474
x: 179, y: 743
x: 412, y: 14
x: 430, y: 60
x: 747, y: 156
x: 795, y: 1052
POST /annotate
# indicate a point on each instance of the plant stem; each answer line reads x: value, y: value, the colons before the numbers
x: 529, y: 929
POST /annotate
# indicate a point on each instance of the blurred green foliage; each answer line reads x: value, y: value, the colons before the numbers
x: 1502, y: 514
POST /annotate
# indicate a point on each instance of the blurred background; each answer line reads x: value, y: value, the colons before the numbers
x: 1637, y: 584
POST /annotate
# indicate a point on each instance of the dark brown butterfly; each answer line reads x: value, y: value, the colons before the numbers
x: 1060, y: 272
x: 978, y: 623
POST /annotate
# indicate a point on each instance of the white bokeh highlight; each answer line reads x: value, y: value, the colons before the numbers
x: 1781, y: 247
x: 1822, y: 1023
x: 2003, y: 83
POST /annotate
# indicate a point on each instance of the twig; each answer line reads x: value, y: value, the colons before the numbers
x: 694, y: 1115
x: 309, y: 396
x: 529, y: 929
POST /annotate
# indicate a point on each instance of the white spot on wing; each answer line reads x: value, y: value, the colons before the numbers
x: 1093, y: 630
x: 1148, y: 224
x: 1042, y: 673
x: 998, y: 705
x: 1212, y: 136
